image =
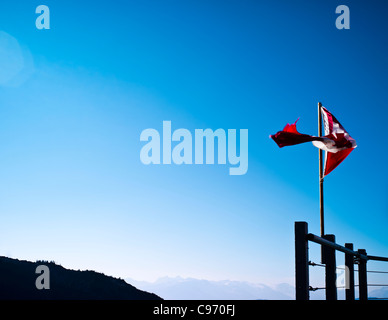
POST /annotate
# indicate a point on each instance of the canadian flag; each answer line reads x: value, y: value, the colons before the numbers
x: 337, y: 142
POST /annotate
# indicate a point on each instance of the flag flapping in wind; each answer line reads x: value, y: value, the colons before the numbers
x: 337, y: 142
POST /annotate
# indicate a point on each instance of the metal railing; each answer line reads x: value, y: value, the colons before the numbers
x: 328, y: 249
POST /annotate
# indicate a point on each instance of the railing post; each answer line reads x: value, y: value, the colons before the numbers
x: 349, y: 273
x: 362, y: 279
x: 301, y: 262
x: 330, y: 270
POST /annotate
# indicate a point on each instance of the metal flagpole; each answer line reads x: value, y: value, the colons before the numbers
x: 320, y: 171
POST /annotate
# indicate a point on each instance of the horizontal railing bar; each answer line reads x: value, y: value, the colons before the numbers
x: 377, y: 258
x: 316, y: 239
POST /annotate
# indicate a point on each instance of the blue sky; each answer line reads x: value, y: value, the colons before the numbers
x: 74, y: 100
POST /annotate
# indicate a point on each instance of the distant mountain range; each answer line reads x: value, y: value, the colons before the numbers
x: 380, y: 293
x: 18, y: 281
x: 195, y: 289
x: 178, y: 288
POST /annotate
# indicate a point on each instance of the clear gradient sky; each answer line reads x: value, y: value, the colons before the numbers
x: 74, y: 100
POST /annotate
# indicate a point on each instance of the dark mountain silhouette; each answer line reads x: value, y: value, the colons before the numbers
x: 18, y: 277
